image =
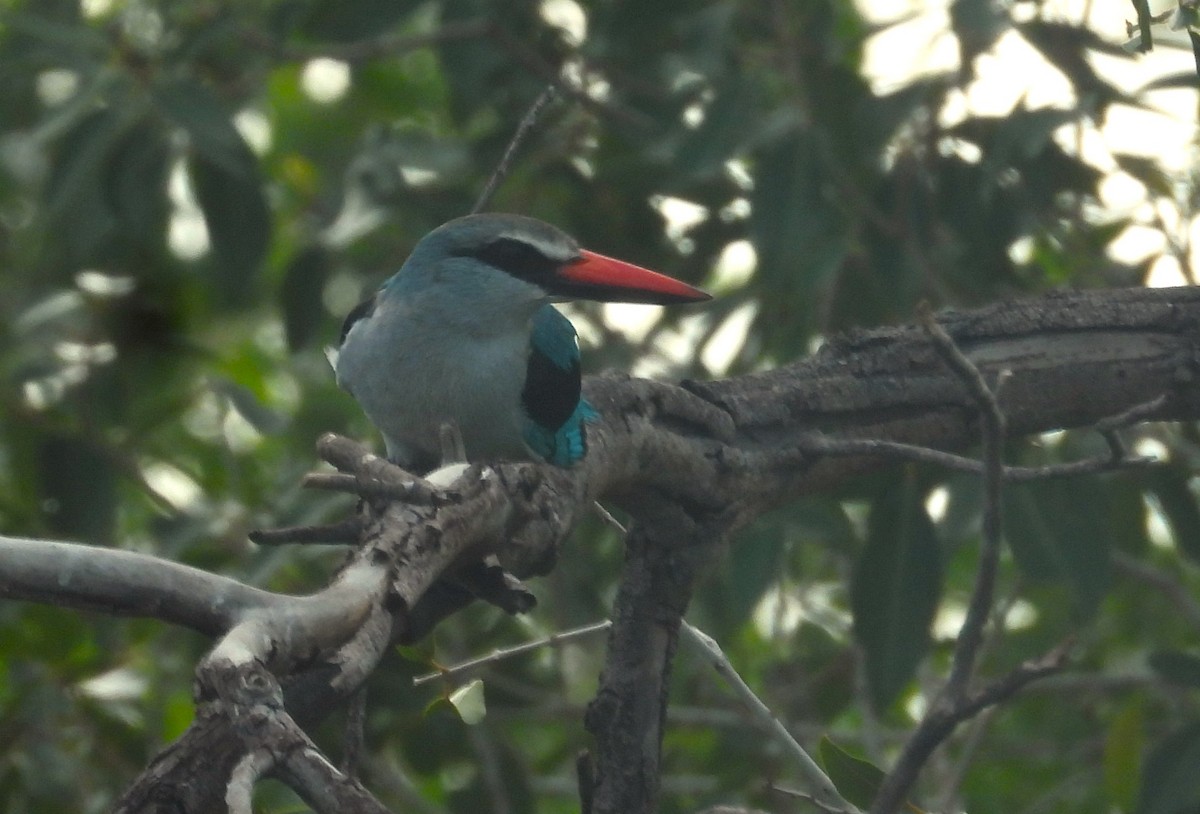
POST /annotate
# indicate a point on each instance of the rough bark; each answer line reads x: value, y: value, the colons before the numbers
x: 691, y: 464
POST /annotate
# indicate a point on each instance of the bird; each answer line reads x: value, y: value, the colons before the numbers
x: 465, y: 334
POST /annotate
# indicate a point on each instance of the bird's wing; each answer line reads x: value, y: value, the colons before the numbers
x: 554, y: 414
x: 361, y: 311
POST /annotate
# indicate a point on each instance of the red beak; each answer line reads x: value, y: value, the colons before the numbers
x: 596, y: 277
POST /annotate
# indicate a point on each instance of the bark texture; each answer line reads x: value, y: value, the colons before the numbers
x: 691, y: 464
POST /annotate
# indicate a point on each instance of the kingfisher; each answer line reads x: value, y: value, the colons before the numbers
x: 465, y: 334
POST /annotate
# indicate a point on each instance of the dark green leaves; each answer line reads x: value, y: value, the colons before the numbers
x: 137, y: 183
x: 896, y: 588
x: 799, y: 233
x: 78, y: 488
x: 300, y: 295
x: 856, y: 779
x: 238, y: 224
x: 1170, y: 782
x: 1058, y: 534
x: 211, y: 133
x: 1169, y: 484
x: 227, y: 183
x: 1177, y: 667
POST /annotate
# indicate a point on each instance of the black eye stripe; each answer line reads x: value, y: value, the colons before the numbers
x: 518, y: 258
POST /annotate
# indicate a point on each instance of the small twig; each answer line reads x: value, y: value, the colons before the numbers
x: 824, y: 792
x: 524, y: 128
x: 951, y: 704
x: 965, y: 759
x: 1008, y: 686
x: 970, y: 635
x: 972, y: 376
x: 341, y: 533
x: 942, y: 718
x: 553, y: 75
x: 607, y: 518
x: 1134, y: 414
x: 468, y: 667
x: 353, y: 738
x: 1162, y: 582
x: 847, y: 447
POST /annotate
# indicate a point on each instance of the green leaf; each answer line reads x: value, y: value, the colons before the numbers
x: 469, y: 703
x: 192, y: 106
x: 300, y: 295
x: 1149, y: 172
x: 977, y: 24
x: 1170, y: 782
x: 895, y: 590
x: 77, y: 205
x: 239, y: 225
x: 1123, y: 754
x: 337, y: 21
x: 856, y: 779
x: 78, y: 489
x: 1146, y: 40
x: 800, y: 236
x: 137, y: 183
x: 1056, y: 535
x: 1176, y: 667
x: 1169, y: 484
x: 1182, y: 79
x: 259, y: 415
x: 704, y: 151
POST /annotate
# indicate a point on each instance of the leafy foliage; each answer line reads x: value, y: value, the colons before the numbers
x: 192, y: 195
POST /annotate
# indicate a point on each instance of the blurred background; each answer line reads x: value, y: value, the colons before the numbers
x: 193, y: 195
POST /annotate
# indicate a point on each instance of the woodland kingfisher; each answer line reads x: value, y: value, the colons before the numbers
x: 464, y: 333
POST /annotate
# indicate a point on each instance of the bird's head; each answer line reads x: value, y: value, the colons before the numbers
x: 525, y: 258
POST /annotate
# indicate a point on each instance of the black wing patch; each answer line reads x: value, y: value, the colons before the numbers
x: 361, y: 311
x: 551, y: 392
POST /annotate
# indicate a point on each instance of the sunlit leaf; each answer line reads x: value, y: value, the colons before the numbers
x: 1123, y: 755
x: 1148, y: 171
x: 468, y: 702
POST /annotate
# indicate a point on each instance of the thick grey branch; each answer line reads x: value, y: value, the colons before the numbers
x: 125, y: 583
x: 703, y: 457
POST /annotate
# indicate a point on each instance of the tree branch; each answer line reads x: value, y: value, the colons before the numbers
x: 689, y: 464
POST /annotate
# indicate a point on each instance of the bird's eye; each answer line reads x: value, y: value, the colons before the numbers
x: 518, y: 258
